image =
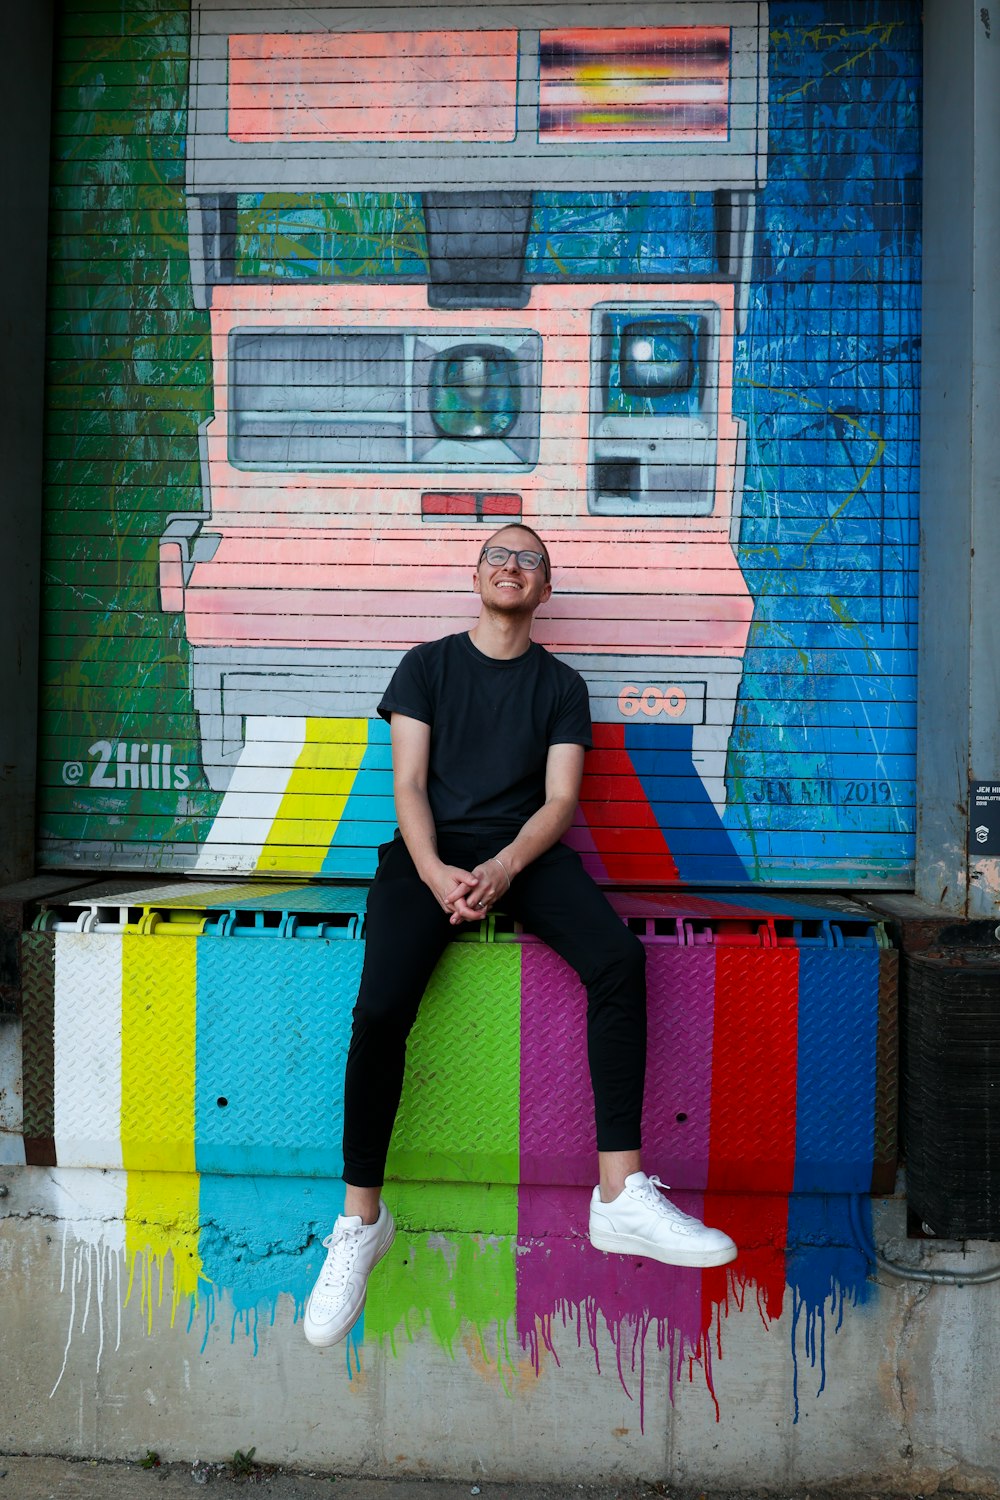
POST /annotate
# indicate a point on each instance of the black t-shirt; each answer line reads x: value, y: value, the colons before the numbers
x: 492, y: 723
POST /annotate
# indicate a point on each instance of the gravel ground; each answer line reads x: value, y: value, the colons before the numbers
x: 81, y: 1479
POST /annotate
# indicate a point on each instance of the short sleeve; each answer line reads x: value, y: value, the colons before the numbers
x: 572, y: 722
x: 408, y: 691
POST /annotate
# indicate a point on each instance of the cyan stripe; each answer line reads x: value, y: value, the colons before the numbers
x: 369, y: 817
x: 273, y: 1025
x: 261, y: 1238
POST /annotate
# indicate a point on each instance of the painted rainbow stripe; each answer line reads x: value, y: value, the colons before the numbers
x: 314, y: 797
x: 295, y: 791
x: 209, y: 1068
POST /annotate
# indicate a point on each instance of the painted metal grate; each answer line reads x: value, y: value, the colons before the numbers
x: 772, y: 1063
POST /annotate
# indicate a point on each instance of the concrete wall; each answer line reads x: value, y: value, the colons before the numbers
x: 896, y: 1394
x: 24, y: 184
x: 959, y: 727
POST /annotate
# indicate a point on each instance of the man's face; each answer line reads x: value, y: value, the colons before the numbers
x: 509, y: 588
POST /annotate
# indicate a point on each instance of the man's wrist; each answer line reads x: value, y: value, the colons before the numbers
x: 429, y: 867
x: 509, y: 862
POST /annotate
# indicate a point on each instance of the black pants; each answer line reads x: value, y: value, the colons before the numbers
x: 406, y: 933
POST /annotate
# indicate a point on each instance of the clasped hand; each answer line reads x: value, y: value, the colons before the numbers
x: 468, y: 895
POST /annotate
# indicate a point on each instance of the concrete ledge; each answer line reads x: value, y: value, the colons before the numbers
x: 102, y: 1363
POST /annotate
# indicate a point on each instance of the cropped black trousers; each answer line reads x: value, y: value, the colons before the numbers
x: 406, y: 933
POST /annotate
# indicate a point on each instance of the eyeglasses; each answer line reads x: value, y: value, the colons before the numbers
x: 526, y: 560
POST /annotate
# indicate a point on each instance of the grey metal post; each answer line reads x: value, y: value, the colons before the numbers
x: 24, y: 187
x: 958, y: 722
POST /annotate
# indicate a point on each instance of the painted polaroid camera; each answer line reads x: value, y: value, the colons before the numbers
x: 367, y: 436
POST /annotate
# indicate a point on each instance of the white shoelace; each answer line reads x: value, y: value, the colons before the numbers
x: 342, y: 1247
x: 653, y: 1193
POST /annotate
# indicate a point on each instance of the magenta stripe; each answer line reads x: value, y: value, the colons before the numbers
x: 681, y: 983
x: 557, y: 1108
x: 567, y: 1290
x: 561, y: 1279
x: 557, y: 1105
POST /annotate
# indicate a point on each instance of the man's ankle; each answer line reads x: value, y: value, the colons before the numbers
x: 362, y: 1203
x: 615, y: 1166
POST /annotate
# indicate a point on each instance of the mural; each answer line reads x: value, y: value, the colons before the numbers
x: 329, y: 305
x: 326, y: 307
x: 770, y: 1113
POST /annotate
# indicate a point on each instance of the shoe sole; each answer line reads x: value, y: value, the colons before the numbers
x: 329, y: 1341
x: 629, y: 1244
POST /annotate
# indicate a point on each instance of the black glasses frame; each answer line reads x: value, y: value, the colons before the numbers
x: 520, y: 553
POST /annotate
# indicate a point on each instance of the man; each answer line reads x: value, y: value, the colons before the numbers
x: 488, y: 739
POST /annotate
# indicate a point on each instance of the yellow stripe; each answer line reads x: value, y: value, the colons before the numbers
x: 158, y: 1021
x: 316, y: 795
x: 158, y: 1075
x: 161, y: 1219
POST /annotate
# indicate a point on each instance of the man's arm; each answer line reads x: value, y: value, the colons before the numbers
x: 411, y: 750
x: 563, y: 775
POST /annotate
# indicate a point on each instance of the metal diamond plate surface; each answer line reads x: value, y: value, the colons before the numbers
x: 754, y: 1070
x: 557, y: 1109
x: 768, y: 1068
x: 38, y: 1062
x: 676, y: 1121
x: 158, y: 1052
x: 273, y: 1027
x: 458, y: 1120
x: 88, y: 1049
x: 837, y: 1034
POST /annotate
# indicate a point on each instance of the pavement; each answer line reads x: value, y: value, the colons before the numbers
x: 46, y: 1478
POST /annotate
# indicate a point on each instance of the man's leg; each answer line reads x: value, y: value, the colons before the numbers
x: 405, y: 934
x: 556, y: 899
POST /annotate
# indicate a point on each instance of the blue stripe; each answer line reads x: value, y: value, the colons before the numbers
x: 701, y: 847
x: 838, y: 1030
x: 273, y: 1026
x: 262, y: 1238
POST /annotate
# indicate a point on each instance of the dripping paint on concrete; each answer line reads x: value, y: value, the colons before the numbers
x: 459, y: 1289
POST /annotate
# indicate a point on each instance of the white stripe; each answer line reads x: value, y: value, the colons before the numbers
x: 254, y: 795
x: 88, y: 1049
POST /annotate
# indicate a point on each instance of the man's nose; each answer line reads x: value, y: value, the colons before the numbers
x: 511, y: 565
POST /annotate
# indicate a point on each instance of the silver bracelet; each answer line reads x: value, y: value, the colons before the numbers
x: 503, y: 867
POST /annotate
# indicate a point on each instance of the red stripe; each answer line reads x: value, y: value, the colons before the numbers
x: 752, y: 1144
x: 640, y: 852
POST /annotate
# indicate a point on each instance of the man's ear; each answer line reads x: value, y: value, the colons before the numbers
x: 475, y: 582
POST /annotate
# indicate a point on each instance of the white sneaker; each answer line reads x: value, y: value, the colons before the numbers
x: 641, y: 1221
x: 353, y: 1249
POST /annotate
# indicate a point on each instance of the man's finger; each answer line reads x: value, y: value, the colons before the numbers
x: 469, y: 911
